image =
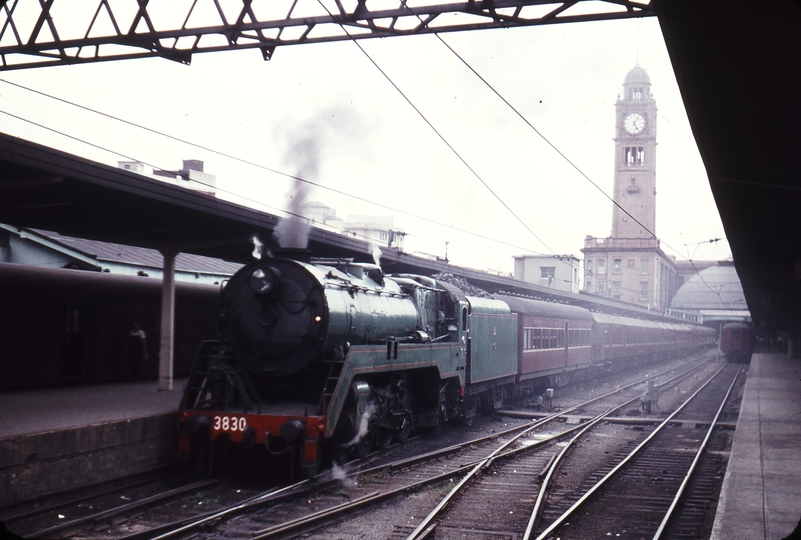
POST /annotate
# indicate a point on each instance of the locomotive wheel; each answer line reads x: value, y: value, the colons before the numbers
x: 403, y: 435
x: 309, y: 473
x: 385, y: 437
x: 363, y: 446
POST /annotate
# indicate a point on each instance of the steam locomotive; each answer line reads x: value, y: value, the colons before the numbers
x: 328, y: 358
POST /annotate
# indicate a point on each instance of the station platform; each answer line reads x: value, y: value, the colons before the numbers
x: 26, y: 412
x: 56, y: 439
x: 761, y: 494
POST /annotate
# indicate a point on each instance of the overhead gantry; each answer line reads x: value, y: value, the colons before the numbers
x: 53, y: 32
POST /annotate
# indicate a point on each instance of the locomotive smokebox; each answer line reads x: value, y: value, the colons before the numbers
x: 273, y: 312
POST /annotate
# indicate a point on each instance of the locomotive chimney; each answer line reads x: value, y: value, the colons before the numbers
x: 296, y: 254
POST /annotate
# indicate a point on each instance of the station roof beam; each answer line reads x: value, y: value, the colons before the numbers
x: 53, y: 32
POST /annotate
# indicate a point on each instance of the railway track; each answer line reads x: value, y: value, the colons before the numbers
x: 361, y: 487
x: 644, y: 490
x: 369, y: 489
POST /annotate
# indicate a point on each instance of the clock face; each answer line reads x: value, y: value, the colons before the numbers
x: 634, y: 123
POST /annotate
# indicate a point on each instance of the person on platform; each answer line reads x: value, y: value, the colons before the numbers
x: 137, y: 350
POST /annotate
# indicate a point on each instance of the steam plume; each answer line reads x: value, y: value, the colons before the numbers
x: 376, y: 251
x: 258, y: 246
x: 293, y: 230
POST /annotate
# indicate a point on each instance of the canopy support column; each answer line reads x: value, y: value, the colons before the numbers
x: 167, y: 320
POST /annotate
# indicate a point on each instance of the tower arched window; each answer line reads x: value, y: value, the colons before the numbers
x: 634, y: 156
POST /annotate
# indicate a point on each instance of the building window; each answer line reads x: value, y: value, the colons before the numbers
x: 602, y: 266
x: 645, y: 267
x: 643, y: 290
x: 634, y: 156
x: 547, y: 272
x: 616, y: 290
x: 588, y: 266
x: 383, y: 236
x: 601, y: 288
x: 588, y: 286
x: 617, y: 266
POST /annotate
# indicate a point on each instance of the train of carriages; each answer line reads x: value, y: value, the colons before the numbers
x: 316, y: 360
x: 736, y: 342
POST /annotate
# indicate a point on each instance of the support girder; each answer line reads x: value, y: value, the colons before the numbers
x: 54, y: 32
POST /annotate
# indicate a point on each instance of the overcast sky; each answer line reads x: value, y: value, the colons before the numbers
x: 360, y: 136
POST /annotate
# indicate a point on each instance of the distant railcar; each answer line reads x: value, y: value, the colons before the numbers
x: 736, y: 342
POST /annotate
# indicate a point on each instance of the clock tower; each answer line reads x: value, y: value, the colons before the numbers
x: 629, y: 265
x: 635, y: 159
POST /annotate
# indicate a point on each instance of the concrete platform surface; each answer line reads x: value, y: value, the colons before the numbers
x: 761, y: 496
x: 42, y: 410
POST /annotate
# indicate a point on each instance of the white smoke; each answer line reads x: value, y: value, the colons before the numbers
x: 364, y: 424
x: 338, y: 473
x: 376, y: 251
x: 305, y: 144
x: 258, y: 247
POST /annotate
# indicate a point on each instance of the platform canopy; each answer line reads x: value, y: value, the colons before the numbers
x: 738, y: 66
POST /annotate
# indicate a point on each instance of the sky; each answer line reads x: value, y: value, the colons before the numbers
x: 449, y: 160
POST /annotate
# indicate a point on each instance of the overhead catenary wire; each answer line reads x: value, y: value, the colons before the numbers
x: 114, y: 152
x: 232, y: 157
x: 566, y: 158
x: 437, y: 132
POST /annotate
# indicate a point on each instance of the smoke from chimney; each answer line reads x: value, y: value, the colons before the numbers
x: 293, y: 230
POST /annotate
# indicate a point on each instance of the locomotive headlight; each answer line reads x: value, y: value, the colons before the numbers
x: 264, y: 280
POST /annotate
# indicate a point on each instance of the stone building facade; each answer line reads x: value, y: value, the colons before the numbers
x: 630, y: 265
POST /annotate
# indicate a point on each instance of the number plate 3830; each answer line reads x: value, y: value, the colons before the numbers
x: 229, y: 423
